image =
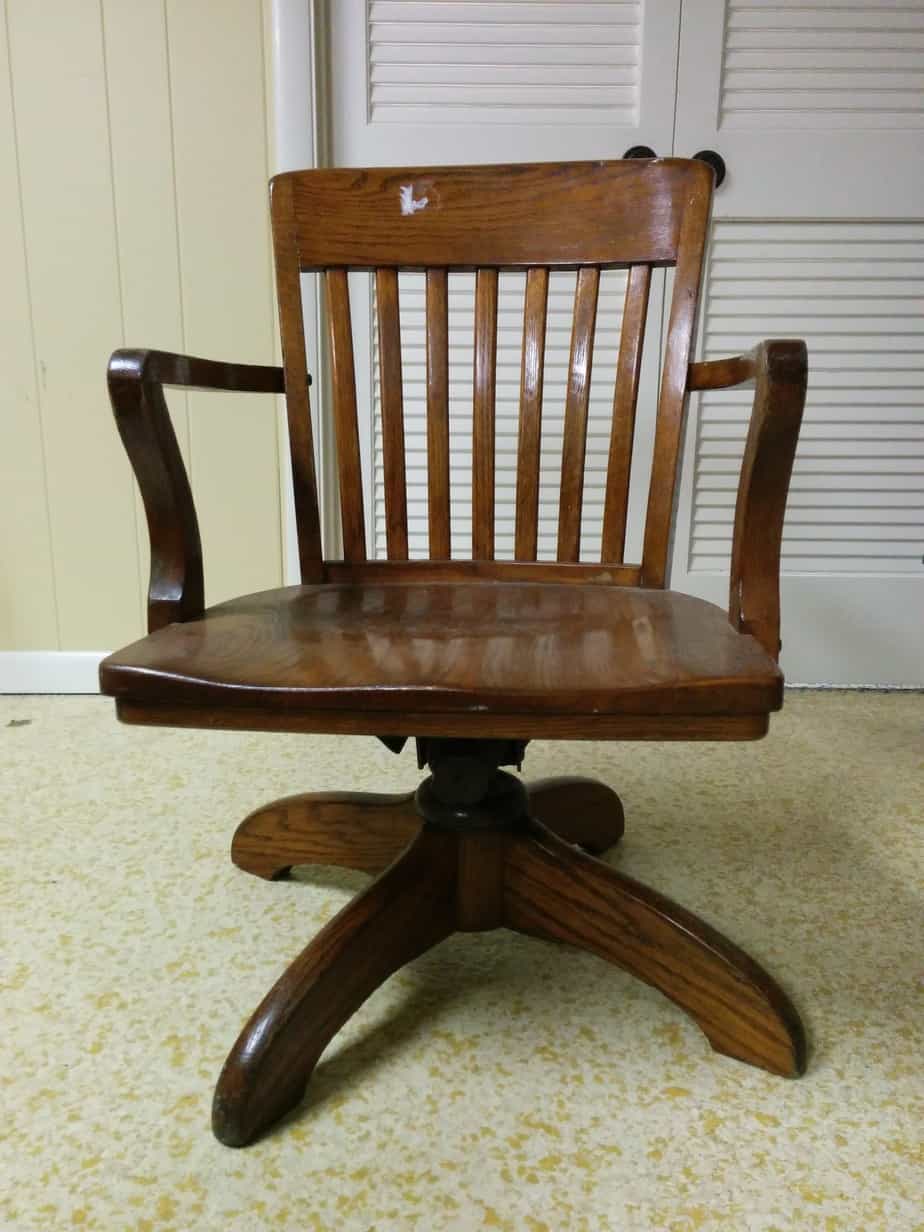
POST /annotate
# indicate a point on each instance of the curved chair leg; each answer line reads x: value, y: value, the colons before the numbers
x: 404, y: 912
x: 556, y: 892
x: 579, y: 810
x: 349, y: 829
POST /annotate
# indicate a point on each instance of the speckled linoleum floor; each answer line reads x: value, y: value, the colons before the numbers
x: 499, y: 1082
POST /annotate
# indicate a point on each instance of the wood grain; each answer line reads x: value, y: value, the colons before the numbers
x: 480, y: 570
x: 136, y: 380
x: 392, y: 404
x: 781, y: 373
x: 529, y: 726
x: 483, y: 431
x: 295, y: 363
x: 507, y: 216
x: 346, y: 427
x: 625, y: 399
x: 535, y: 311
x: 449, y: 648
x: 405, y: 912
x: 571, y: 495
x: 359, y: 830
x: 681, y: 328
x: 440, y: 524
x: 366, y: 831
x: 554, y: 891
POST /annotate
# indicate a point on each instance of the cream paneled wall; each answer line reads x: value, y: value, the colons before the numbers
x: 133, y: 211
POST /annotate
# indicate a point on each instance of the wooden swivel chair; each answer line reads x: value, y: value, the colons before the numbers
x: 473, y: 658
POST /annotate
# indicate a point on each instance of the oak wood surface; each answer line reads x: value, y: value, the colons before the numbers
x: 346, y: 425
x: 404, y: 912
x: 554, y: 891
x: 439, y: 518
x: 351, y: 573
x: 672, y: 400
x: 535, y: 313
x: 392, y: 404
x: 483, y: 431
x: 521, y: 877
x: 594, y: 213
x: 366, y: 831
x: 136, y: 379
x: 503, y: 648
x: 571, y: 494
x: 477, y: 650
x: 781, y: 374
x: 625, y: 400
x: 298, y: 404
x: 384, y: 723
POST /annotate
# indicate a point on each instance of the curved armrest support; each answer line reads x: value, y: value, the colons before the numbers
x: 136, y: 380
x: 779, y: 369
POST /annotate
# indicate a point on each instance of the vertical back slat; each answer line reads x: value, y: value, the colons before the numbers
x: 298, y: 407
x: 530, y: 433
x: 483, y: 414
x: 392, y: 401
x: 665, y: 466
x: 440, y: 544
x: 625, y: 399
x: 346, y: 428
x: 575, y: 431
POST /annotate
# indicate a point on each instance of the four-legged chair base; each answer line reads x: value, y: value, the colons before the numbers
x: 512, y: 857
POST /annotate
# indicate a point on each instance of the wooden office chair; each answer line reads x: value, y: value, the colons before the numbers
x: 474, y: 657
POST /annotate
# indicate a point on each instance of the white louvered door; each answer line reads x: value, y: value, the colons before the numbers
x: 449, y: 81
x: 818, y: 111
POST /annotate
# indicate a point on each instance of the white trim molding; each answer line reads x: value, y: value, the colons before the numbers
x: 50, y: 671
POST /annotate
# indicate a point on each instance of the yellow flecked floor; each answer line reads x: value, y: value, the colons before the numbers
x: 499, y: 1082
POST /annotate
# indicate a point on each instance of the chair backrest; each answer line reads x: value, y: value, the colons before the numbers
x: 586, y: 217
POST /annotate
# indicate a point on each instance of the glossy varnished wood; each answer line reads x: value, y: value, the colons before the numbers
x: 483, y: 430
x: 407, y: 910
x: 476, y: 725
x: 351, y: 573
x: 298, y: 406
x: 136, y: 380
x: 672, y: 399
x: 439, y: 519
x: 781, y: 374
x: 535, y: 312
x: 346, y: 426
x: 489, y: 653
x: 520, y: 876
x: 571, y: 494
x: 360, y: 830
x: 519, y: 214
x: 625, y: 399
x: 366, y: 831
x: 392, y: 403
x: 554, y: 891
x: 460, y: 647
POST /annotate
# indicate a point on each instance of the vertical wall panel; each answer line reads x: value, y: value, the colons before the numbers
x: 27, y: 596
x: 61, y: 118
x: 133, y: 198
x: 217, y: 85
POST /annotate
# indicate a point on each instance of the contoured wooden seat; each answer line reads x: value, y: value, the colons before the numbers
x: 473, y: 657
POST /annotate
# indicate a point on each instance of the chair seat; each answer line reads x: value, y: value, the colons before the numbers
x: 454, y: 648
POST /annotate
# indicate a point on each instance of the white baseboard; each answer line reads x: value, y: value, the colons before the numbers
x: 50, y: 671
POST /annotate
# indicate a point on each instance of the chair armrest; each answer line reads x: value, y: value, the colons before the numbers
x: 779, y: 369
x: 136, y: 380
